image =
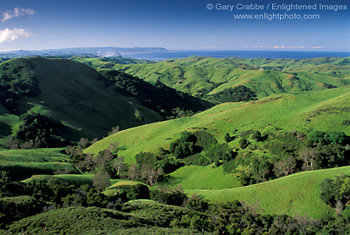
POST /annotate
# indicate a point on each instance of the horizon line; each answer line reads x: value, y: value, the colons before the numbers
x: 186, y: 49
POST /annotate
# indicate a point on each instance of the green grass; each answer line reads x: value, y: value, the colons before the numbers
x: 119, y: 183
x: 199, y: 177
x: 106, y: 62
x: 297, y: 194
x: 77, y: 179
x: 83, y: 103
x: 318, y: 110
x: 294, y: 195
x: 265, y: 76
x: 23, y: 163
x: 34, y: 155
x: 85, y: 221
x: 91, y: 220
x: 74, y: 179
x: 9, y: 123
x: 73, y: 94
x: 23, y: 170
x: 139, y: 201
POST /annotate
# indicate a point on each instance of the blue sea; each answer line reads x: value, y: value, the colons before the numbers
x: 240, y: 54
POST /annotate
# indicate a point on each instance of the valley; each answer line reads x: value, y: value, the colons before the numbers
x: 179, y: 146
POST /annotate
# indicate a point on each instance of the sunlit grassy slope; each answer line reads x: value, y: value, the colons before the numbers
x: 199, y: 177
x: 322, y: 110
x: 297, y: 194
x: 264, y: 76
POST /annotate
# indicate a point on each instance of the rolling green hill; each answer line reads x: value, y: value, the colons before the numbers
x: 201, y: 76
x: 317, y: 110
x: 94, y: 220
x: 297, y: 194
x: 201, y: 178
x: 73, y: 94
x: 108, y: 62
x: 81, y: 100
x: 213, y: 153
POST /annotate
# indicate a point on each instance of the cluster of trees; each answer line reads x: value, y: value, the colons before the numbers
x: 151, y: 168
x: 233, y: 94
x: 15, y: 208
x: 167, y: 101
x: 200, y: 148
x: 162, y: 194
x: 281, y: 154
x: 284, y: 154
x: 18, y: 199
x: 288, y: 153
x: 106, y: 164
x: 17, y: 81
x: 336, y: 192
x: 236, y: 218
x: 37, y: 131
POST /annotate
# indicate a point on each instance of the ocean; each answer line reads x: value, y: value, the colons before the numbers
x: 158, y: 56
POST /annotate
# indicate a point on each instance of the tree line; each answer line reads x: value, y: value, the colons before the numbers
x: 19, y: 200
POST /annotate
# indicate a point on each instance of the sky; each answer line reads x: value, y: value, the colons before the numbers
x: 175, y: 25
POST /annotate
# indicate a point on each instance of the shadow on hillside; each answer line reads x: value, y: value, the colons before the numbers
x: 5, y: 130
x: 171, y: 181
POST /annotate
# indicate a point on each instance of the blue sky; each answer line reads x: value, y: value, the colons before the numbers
x: 180, y: 24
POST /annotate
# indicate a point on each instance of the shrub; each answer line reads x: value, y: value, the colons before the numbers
x: 40, y: 130
x: 138, y: 191
x: 257, y: 136
x: 235, y: 94
x: 146, y: 158
x: 168, y: 196
x: 243, y: 143
x: 19, y: 207
x: 17, y: 81
x: 197, y: 203
x: 336, y: 192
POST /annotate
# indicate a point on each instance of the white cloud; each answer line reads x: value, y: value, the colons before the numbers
x: 12, y: 34
x: 17, y: 12
x: 6, y: 16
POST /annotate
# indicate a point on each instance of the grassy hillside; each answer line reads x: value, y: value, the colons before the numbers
x: 80, y: 99
x: 100, y: 221
x: 297, y: 194
x: 204, y: 75
x: 323, y: 110
x: 79, y: 179
x: 199, y: 177
x: 75, y: 95
x: 108, y: 62
x: 22, y: 164
x: 212, y: 153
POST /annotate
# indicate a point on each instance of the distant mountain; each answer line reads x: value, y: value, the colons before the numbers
x: 82, y: 51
